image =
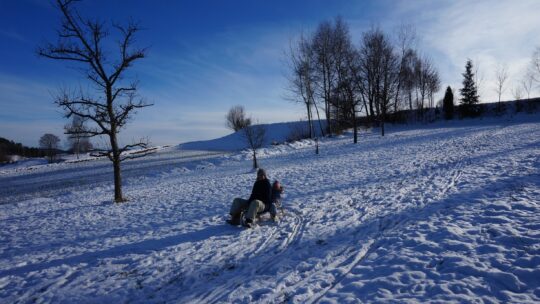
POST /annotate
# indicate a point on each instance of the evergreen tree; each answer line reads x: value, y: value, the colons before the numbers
x: 469, y: 92
x: 448, y: 104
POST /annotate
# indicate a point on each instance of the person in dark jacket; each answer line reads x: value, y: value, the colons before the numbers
x: 259, y: 201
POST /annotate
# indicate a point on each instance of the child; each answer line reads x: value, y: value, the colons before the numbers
x: 275, y: 200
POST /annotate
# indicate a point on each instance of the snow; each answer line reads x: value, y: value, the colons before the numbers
x: 275, y: 133
x: 446, y: 212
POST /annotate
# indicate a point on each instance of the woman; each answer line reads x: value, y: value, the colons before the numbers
x: 259, y: 201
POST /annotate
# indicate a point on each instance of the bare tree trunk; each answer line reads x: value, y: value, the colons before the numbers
x: 77, y: 148
x: 410, y: 100
x: 382, y: 124
x: 326, y: 103
x: 355, y: 128
x: 396, y: 100
x: 310, y: 120
x: 329, y: 128
x: 255, y: 165
x: 255, y: 136
x: 319, y: 118
x: 118, y: 197
x: 371, y: 112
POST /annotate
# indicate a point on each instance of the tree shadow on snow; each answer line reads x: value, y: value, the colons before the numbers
x: 147, y: 246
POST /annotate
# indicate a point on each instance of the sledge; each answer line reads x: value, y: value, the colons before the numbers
x: 265, y: 215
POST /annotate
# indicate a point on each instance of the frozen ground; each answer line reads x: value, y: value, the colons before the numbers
x: 440, y: 213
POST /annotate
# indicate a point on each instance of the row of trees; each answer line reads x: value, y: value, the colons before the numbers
x: 9, y: 148
x: 332, y: 76
x: 524, y: 86
x: 77, y: 141
x: 469, y: 101
x: 469, y: 96
x: 49, y: 144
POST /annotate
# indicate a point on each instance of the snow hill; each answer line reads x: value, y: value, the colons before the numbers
x: 275, y: 133
x: 437, y: 213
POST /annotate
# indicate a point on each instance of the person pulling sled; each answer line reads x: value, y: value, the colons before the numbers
x: 262, y: 199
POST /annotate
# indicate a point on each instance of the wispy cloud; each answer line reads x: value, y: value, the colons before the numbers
x: 28, y: 132
x: 235, y: 67
x: 25, y: 98
x: 14, y: 35
x: 488, y: 32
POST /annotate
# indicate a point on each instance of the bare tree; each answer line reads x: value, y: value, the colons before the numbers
x: 254, y: 136
x: 368, y: 61
x: 426, y: 82
x: 49, y: 142
x: 77, y: 135
x: 343, y: 96
x: 433, y: 85
x: 406, y: 41
x: 236, y: 118
x: 407, y: 75
x: 517, y: 93
x: 82, y: 41
x: 407, y: 38
x: 478, y: 77
x: 535, y: 65
x: 302, y: 83
x: 501, y: 75
x: 322, y: 45
x: 85, y: 145
x: 347, y: 95
x: 379, y: 67
x: 527, y: 83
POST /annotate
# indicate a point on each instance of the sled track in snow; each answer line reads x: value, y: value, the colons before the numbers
x: 383, y: 228
x: 218, y: 295
x: 351, y: 255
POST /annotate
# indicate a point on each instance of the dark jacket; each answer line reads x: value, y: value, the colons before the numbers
x: 261, y: 191
x: 276, y: 195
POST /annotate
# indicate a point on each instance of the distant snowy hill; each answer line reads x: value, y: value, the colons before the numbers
x: 275, y: 133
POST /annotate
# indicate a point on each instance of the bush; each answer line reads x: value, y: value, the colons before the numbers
x: 4, y: 158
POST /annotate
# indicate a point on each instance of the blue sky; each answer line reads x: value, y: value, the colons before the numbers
x: 206, y: 56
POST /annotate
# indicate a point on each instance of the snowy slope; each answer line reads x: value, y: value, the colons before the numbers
x: 275, y: 133
x: 446, y: 212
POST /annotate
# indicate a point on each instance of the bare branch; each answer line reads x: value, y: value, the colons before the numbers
x: 236, y: 118
x: 82, y: 40
x: 501, y: 75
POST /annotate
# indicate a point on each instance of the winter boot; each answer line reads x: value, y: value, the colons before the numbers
x: 248, y: 223
x: 234, y: 220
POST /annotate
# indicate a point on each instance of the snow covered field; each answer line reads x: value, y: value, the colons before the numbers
x: 446, y: 212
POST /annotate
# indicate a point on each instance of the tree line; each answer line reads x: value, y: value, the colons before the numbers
x: 49, y: 144
x: 9, y: 147
x: 337, y: 80
x: 382, y: 77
